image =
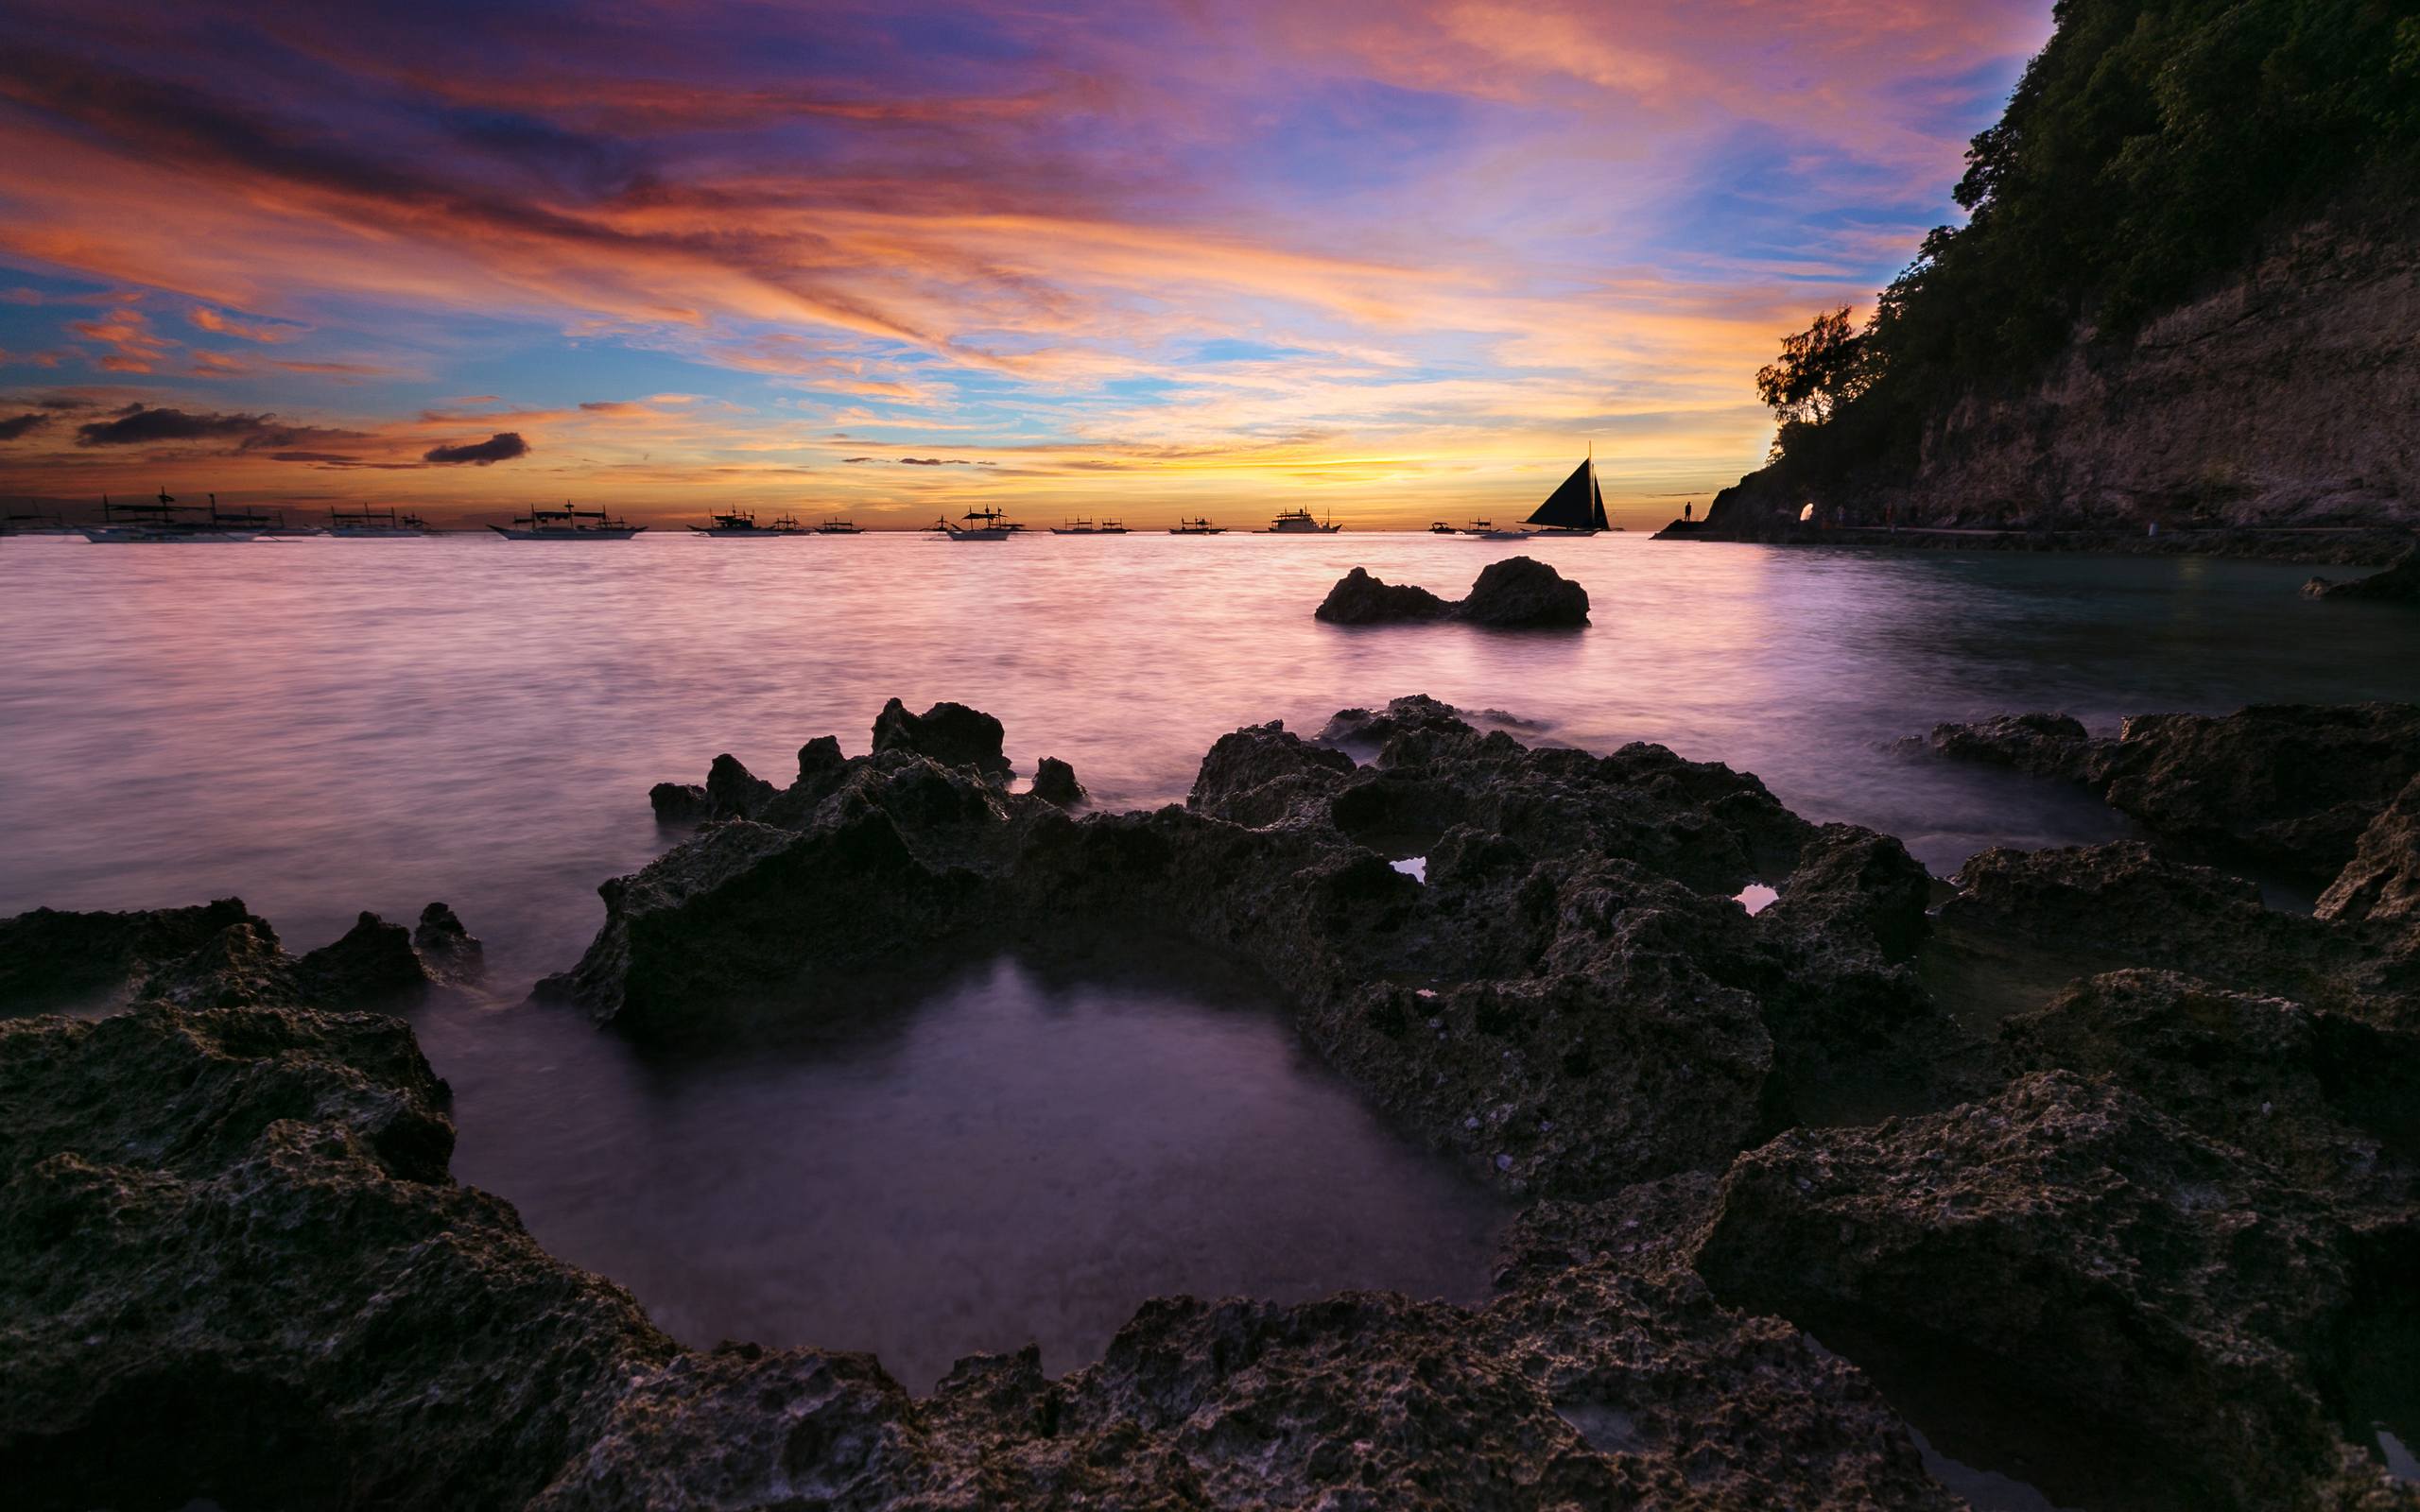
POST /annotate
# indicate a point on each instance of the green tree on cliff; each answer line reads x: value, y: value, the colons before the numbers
x: 2143, y: 152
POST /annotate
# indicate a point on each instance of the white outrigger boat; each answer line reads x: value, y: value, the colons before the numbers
x: 1299, y: 523
x: 366, y: 524
x: 980, y: 525
x: 741, y: 525
x: 838, y: 527
x: 567, y: 523
x: 1086, y: 527
x: 1196, y: 526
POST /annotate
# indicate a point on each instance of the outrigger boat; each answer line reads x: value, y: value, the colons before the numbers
x: 1086, y: 527
x: 366, y: 524
x: 567, y: 523
x: 838, y: 527
x: 1487, y: 530
x: 1196, y: 526
x: 742, y: 525
x: 1439, y: 527
x: 980, y: 525
x: 29, y: 523
x: 1299, y: 523
x: 157, y: 524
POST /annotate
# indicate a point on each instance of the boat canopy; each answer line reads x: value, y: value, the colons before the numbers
x: 1579, y: 504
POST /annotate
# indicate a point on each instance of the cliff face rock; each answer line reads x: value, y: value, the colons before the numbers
x: 2270, y: 401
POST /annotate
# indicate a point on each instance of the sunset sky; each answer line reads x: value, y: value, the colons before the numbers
x: 1395, y: 259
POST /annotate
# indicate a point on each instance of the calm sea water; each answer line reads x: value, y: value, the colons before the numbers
x: 324, y: 726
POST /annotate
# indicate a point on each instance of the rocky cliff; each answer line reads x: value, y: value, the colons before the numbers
x: 2281, y: 397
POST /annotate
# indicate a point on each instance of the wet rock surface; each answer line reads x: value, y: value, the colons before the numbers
x: 1518, y: 592
x: 2289, y: 787
x: 2166, y: 1204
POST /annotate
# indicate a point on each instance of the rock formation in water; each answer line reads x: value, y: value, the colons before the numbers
x: 2399, y: 582
x: 219, y: 953
x: 1054, y: 781
x: 1517, y: 592
x: 2289, y: 787
x: 2154, y: 1176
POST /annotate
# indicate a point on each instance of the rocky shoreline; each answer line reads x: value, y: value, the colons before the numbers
x: 2159, y: 1183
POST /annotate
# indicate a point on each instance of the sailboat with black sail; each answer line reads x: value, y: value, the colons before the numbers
x: 1575, y: 509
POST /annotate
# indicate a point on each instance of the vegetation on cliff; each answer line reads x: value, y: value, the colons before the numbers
x: 2143, y: 151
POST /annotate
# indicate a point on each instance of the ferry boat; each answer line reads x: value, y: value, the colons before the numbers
x: 1196, y: 526
x: 742, y: 525
x: 567, y: 523
x: 838, y: 527
x: 980, y: 525
x: 1299, y: 523
x: 1086, y: 527
x: 366, y: 524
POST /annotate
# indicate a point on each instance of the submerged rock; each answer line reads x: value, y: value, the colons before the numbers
x: 2399, y: 582
x: 1359, y: 598
x: 1054, y: 781
x: 1518, y: 592
x: 2044, y: 745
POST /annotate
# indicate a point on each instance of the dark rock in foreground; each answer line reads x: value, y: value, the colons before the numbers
x: 233, y: 1264
x: 301, y: 1307
x: 680, y: 802
x: 1517, y: 592
x: 2096, y: 1253
x: 2399, y: 582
